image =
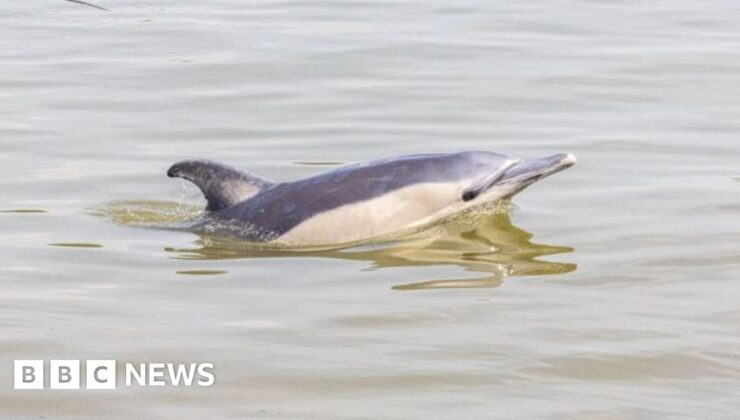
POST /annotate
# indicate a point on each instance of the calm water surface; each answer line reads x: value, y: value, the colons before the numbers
x: 611, y: 290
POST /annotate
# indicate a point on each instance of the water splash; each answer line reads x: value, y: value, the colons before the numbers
x: 149, y: 213
x: 179, y: 216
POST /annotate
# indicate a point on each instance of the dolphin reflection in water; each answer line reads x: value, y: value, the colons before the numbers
x: 493, y: 249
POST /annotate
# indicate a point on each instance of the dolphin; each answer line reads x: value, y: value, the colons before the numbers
x: 360, y: 202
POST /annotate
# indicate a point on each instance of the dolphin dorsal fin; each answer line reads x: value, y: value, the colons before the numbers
x: 222, y: 185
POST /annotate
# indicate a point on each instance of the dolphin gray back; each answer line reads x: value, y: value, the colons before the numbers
x: 280, y: 207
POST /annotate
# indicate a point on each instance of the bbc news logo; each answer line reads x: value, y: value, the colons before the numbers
x: 101, y: 374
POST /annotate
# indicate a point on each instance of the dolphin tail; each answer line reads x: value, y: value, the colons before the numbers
x: 221, y: 185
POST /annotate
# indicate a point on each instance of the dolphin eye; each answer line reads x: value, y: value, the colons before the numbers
x: 469, y: 195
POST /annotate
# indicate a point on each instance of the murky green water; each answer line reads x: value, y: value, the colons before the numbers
x: 608, y: 291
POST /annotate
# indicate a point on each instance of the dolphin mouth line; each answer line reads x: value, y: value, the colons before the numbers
x: 529, y: 171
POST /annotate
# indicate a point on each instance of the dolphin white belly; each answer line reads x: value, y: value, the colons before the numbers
x: 406, y: 208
